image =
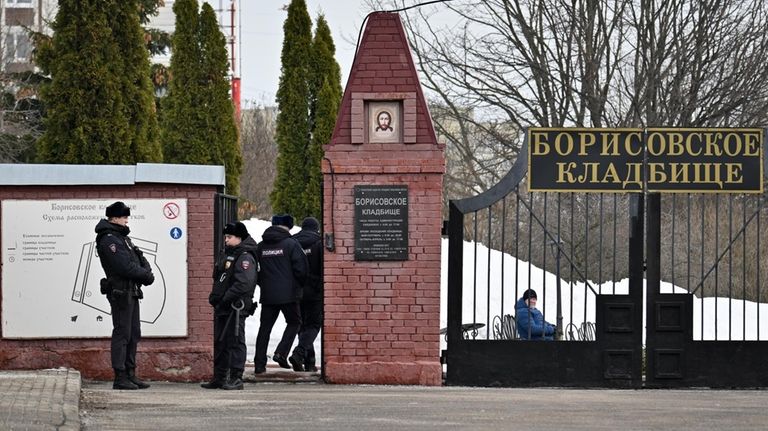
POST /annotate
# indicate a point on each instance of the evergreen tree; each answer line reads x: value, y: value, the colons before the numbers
x: 198, y: 125
x: 99, y: 102
x: 293, y: 131
x: 181, y: 117
x: 215, y: 101
x: 135, y: 84
x: 325, y: 97
x: 87, y: 120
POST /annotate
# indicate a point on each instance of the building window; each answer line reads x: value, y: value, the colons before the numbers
x: 19, y: 3
x: 17, y: 48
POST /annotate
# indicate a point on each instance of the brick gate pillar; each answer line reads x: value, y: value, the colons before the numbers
x: 382, y: 276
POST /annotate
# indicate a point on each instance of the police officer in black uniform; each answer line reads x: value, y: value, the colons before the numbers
x: 234, y: 281
x: 282, y: 272
x: 126, y: 270
x: 303, y: 356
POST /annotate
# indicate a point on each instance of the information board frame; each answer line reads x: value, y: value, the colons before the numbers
x: 381, y: 222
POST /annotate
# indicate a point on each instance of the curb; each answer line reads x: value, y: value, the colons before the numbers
x: 71, y: 401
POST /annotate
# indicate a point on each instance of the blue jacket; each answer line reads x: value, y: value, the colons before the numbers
x: 540, y: 329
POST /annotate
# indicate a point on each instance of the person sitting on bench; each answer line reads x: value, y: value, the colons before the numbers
x: 530, y: 322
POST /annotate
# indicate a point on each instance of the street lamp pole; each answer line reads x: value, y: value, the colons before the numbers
x: 559, y: 327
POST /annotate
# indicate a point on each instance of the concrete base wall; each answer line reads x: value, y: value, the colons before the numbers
x: 424, y: 373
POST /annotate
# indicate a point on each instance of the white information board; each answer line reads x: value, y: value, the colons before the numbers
x: 51, y: 269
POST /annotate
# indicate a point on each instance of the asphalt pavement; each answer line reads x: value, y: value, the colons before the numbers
x: 46, y: 400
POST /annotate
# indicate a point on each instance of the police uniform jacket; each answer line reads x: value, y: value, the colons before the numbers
x: 123, y: 263
x: 234, y: 277
x: 282, y: 267
x: 313, y: 248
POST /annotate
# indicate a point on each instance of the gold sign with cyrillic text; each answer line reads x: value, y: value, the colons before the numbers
x: 631, y: 160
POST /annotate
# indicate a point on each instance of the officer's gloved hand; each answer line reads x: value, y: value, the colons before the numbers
x: 213, y: 300
x: 224, y: 304
x: 149, y: 279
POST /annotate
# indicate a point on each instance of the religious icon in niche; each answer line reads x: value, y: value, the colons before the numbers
x: 384, y: 122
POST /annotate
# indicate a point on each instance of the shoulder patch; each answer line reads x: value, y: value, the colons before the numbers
x: 245, y: 264
x: 113, y: 248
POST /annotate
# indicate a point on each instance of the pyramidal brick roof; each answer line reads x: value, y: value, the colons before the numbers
x: 383, y: 69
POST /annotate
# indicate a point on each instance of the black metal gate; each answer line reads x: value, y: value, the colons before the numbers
x: 705, y: 326
x: 584, y: 254
x: 225, y: 211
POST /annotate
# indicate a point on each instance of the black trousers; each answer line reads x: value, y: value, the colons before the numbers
x: 126, y: 332
x: 229, y: 351
x: 269, y: 313
x: 311, y: 323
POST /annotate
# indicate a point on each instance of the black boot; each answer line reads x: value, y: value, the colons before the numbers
x: 297, y: 359
x: 235, y: 381
x: 135, y: 380
x: 309, y: 362
x: 219, y: 379
x: 280, y: 359
x: 122, y: 381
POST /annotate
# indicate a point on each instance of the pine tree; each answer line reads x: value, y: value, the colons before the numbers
x: 87, y: 119
x: 325, y: 97
x: 99, y: 101
x: 215, y: 101
x: 182, y: 117
x: 293, y: 131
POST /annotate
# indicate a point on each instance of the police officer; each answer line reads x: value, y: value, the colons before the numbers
x: 234, y: 281
x: 303, y: 357
x: 282, y: 272
x: 126, y: 270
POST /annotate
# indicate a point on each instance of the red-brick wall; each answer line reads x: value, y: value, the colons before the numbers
x: 382, y: 318
x: 177, y: 359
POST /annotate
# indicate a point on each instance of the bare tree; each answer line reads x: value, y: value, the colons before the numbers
x: 586, y: 63
x: 599, y: 63
x: 20, y: 108
x: 20, y: 116
x: 257, y: 134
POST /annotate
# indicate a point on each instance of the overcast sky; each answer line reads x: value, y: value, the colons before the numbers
x: 262, y: 41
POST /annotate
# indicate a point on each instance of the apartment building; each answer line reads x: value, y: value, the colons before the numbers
x: 17, y: 18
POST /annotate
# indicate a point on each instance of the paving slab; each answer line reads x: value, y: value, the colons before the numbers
x: 40, y: 400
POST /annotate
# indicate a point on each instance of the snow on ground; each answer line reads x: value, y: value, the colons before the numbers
x: 256, y: 228
x: 728, y: 324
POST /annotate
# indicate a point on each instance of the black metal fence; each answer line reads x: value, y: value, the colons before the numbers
x: 714, y: 247
x: 569, y: 247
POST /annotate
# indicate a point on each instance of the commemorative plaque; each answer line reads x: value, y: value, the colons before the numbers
x: 381, y: 222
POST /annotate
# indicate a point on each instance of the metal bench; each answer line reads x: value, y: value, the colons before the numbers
x: 504, y: 327
x: 467, y: 330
